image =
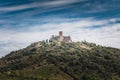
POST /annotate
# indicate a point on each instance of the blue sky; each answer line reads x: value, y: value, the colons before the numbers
x: 26, y: 21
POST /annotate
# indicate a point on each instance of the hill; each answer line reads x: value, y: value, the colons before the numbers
x: 65, y: 61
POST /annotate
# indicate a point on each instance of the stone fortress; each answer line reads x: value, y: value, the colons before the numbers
x: 61, y: 38
x: 58, y: 39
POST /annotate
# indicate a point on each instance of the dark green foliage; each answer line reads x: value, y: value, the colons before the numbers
x: 69, y: 61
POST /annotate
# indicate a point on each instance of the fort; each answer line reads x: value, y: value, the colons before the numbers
x: 61, y: 38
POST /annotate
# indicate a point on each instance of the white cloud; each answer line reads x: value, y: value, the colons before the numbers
x: 54, y: 3
x: 79, y: 29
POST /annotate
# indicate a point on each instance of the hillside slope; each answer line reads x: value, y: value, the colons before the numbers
x: 65, y: 61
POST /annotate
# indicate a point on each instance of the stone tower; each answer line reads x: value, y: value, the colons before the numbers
x: 60, y: 33
x: 61, y: 37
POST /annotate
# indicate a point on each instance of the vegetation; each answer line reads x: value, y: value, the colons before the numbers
x: 61, y: 61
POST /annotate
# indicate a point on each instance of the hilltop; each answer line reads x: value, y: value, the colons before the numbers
x: 69, y: 61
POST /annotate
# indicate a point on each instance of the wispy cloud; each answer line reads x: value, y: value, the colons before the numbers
x: 54, y: 3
